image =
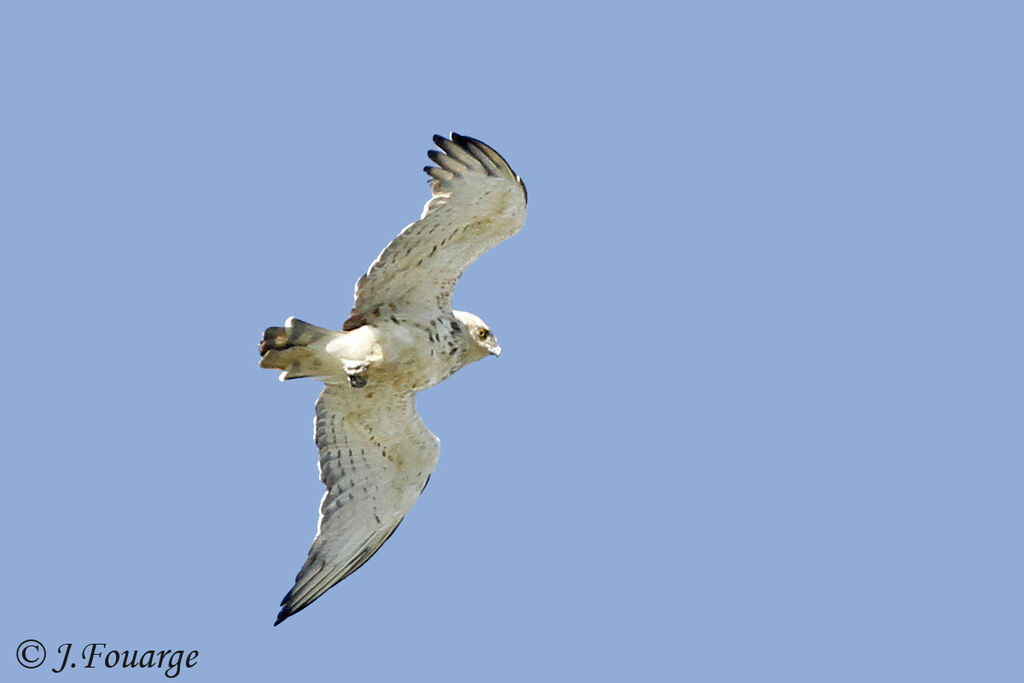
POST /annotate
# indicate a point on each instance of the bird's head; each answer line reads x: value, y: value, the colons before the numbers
x: 482, y: 340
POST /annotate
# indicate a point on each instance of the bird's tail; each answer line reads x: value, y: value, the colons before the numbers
x: 299, y: 349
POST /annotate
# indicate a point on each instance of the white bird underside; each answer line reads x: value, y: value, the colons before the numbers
x: 375, y: 453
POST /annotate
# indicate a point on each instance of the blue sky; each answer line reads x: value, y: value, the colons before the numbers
x: 758, y: 415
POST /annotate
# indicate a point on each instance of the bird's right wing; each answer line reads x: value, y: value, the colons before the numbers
x: 477, y: 202
x: 375, y: 457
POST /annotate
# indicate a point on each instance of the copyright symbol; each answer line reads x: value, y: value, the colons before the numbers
x: 31, y: 653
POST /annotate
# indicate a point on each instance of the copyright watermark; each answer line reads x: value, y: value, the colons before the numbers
x: 31, y: 654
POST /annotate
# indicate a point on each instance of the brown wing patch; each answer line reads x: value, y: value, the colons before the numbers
x: 354, y: 322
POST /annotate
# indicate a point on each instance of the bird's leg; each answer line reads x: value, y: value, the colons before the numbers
x: 356, y: 371
x: 358, y: 350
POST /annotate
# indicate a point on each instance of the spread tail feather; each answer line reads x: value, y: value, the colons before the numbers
x: 298, y: 349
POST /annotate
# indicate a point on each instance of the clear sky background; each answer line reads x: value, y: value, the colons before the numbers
x: 758, y: 415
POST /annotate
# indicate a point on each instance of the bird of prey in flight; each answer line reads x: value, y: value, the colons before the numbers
x: 401, y: 337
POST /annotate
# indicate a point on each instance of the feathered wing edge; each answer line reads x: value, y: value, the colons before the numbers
x: 475, y: 205
x: 325, y: 577
x: 459, y: 153
x: 367, y: 476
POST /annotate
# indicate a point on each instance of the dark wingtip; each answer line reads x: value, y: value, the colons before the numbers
x: 466, y: 142
x: 286, y: 609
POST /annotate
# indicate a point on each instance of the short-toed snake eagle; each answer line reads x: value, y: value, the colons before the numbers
x: 401, y: 337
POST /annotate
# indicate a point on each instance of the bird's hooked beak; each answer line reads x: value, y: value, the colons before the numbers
x: 496, y: 351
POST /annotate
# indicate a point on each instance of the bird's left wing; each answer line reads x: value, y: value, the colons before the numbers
x: 375, y: 457
x: 477, y: 201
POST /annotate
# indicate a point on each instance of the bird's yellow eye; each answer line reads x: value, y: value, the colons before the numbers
x: 483, y: 334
